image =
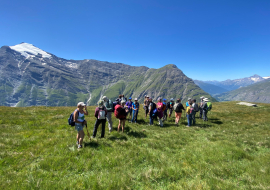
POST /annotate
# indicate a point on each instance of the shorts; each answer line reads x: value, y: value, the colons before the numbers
x: 79, y: 126
x: 178, y: 114
x: 122, y: 119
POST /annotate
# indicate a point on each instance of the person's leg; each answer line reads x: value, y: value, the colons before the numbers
x: 119, y: 125
x: 151, y: 119
x: 146, y: 112
x: 188, y: 121
x: 136, y: 115
x: 161, y: 123
x: 109, y: 119
x: 130, y: 113
x: 204, y: 115
x: 206, y: 118
x: 180, y: 114
x: 81, y: 137
x: 201, y: 113
x: 103, y: 121
x: 96, y: 128
x: 133, y: 116
x: 123, y: 125
x: 194, y: 120
x: 78, y: 137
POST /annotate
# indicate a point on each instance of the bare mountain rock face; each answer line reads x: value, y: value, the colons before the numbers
x: 30, y: 76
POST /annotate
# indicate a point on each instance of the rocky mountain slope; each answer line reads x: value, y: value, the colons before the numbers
x: 237, y: 83
x: 258, y: 92
x: 30, y: 76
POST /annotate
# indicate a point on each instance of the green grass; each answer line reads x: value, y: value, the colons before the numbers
x: 230, y: 151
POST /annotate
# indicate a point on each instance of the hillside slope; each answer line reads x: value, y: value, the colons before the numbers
x: 230, y: 151
x: 258, y: 92
x: 210, y: 88
x: 30, y: 76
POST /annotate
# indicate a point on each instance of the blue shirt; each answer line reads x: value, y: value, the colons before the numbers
x: 135, y: 106
x: 165, y: 104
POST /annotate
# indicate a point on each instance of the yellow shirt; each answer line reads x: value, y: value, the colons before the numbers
x: 188, y: 110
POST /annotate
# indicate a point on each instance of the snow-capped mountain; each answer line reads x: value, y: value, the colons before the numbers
x: 31, y: 76
x: 237, y: 83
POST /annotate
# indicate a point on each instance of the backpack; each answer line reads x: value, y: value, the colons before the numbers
x: 101, y: 114
x: 168, y: 105
x: 164, y: 107
x: 119, y: 112
x: 71, y: 119
x: 192, y: 110
x: 209, y: 106
x: 196, y: 107
x: 154, y: 112
x: 110, y: 105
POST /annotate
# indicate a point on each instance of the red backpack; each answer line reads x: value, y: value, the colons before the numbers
x: 119, y: 112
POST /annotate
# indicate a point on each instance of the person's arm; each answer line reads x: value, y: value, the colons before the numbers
x: 85, y: 112
x: 150, y: 108
x: 96, y: 112
x: 106, y: 112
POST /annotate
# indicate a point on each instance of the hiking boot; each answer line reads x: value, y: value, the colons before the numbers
x: 79, y: 146
x: 77, y: 143
x: 187, y: 126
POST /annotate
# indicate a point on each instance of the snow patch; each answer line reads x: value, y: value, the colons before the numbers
x: 28, y: 50
x: 255, y: 79
x: 44, y: 63
x: 266, y: 77
x: 72, y: 65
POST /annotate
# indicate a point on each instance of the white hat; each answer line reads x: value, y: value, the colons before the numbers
x: 136, y: 99
x: 171, y: 99
x: 81, y: 104
x: 104, y: 98
x: 202, y: 97
x: 123, y: 101
x: 205, y: 99
x: 189, y: 98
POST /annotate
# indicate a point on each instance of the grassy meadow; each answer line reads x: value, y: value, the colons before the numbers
x: 230, y: 151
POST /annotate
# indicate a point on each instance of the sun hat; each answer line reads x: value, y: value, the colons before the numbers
x: 189, y: 98
x: 205, y: 99
x: 81, y: 104
x: 100, y: 103
x: 202, y: 97
x: 104, y: 98
x: 136, y: 99
x: 123, y: 101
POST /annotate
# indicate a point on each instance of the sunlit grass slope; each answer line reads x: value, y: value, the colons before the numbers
x: 230, y: 151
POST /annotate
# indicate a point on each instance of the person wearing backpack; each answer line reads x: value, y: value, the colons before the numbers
x: 152, y: 107
x: 135, y: 108
x: 195, y: 110
x: 165, y: 108
x: 110, y: 108
x: 205, y: 109
x: 171, y: 104
x: 80, y: 122
x: 121, y: 115
x: 178, y: 107
x: 123, y: 98
x: 201, y: 107
x: 146, y: 106
x: 160, y: 111
x: 189, y: 115
x: 100, y: 114
x: 129, y: 107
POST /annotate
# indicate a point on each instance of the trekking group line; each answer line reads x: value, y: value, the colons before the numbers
x: 124, y: 110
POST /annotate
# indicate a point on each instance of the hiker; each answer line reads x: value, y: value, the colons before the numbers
x: 100, y: 114
x: 152, y: 107
x: 146, y: 106
x: 121, y: 113
x: 171, y: 104
x: 201, y: 107
x: 178, y: 107
x: 189, y: 116
x: 119, y: 99
x: 129, y: 107
x: 110, y: 107
x: 123, y: 98
x: 188, y: 102
x: 165, y: 115
x: 160, y: 111
x: 80, y: 122
x: 116, y: 102
x: 135, y: 108
x: 195, y: 110
x: 205, y: 109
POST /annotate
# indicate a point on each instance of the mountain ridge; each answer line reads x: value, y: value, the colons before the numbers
x: 27, y: 78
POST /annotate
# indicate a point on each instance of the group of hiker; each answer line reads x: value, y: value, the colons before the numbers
x: 124, y: 109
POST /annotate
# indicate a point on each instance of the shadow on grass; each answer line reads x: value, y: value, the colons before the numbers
x: 216, y: 121
x: 114, y: 138
x: 137, y: 134
x: 91, y: 144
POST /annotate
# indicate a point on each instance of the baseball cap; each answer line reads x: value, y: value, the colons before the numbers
x: 123, y: 101
x: 171, y: 99
x: 164, y: 99
x: 130, y: 98
x: 150, y: 98
x: 189, y: 98
x: 136, y: 99
x: 81, y: 104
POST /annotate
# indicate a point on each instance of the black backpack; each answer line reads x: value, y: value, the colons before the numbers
x: 71, y: 119
x: 168, y: 105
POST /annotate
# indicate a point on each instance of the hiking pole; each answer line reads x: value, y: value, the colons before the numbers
x: 88, y: 132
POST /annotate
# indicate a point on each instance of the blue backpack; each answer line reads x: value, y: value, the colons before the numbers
x: 71, y: 119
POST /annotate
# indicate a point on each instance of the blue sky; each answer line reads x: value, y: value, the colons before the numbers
x: 207, y: 40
